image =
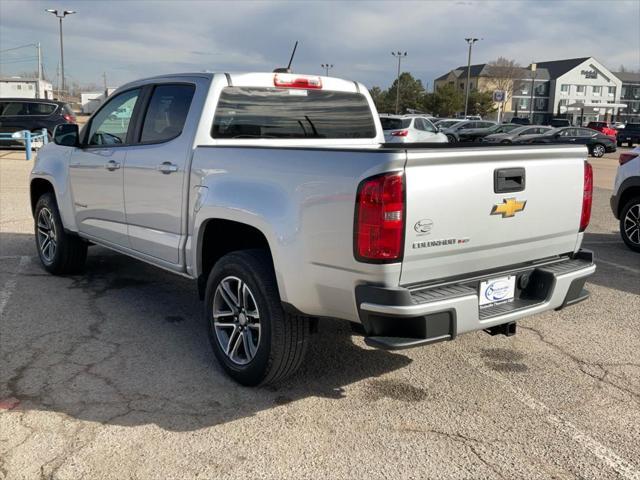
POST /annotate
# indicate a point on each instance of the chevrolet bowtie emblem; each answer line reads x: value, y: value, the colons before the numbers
x: 508, y: 208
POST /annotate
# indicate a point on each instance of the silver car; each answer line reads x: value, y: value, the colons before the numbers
x: 519, y: 134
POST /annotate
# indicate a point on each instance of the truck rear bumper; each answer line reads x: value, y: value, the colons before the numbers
x: 396, y: 318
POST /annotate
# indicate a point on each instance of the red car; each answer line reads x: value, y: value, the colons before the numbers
x: 603, y: 127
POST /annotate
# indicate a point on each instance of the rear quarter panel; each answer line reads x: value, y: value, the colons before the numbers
x: 303, y: 201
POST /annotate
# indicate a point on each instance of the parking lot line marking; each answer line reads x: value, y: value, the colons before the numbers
x: 10, y: 285
x: 605, y: 454
x: 602, y: 242
x: 617, y: 265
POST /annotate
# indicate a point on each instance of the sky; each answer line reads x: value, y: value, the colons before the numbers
x: 133, y: 39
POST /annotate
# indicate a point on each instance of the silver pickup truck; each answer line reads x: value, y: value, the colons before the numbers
x: 277, y: 194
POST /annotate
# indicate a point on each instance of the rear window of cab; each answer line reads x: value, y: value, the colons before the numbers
x: 252, y: 112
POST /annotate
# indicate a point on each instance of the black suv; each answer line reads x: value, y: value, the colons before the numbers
x: 32, y: 114
x: 630, y: 134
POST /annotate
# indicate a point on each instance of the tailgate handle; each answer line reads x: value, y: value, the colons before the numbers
x: 508, y: 180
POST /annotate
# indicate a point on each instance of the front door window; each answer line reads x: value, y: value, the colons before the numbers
x: 111, y: 123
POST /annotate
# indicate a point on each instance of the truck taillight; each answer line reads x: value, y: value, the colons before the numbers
x: 290, y: 80
x: 400, y: 133
x: 69, y: 118
x: 587, y: 197
x: 379, y: 219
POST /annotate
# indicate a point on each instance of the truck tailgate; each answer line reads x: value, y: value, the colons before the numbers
x: 458, y: 224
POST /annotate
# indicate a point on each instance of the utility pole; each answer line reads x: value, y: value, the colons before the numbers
x: 326, y: 67
x: 106, y: 90
x: 60, y: 16
x: 533, y: 80
x: 470, y: 41
x: 39, y: 70
x: 399, y: 56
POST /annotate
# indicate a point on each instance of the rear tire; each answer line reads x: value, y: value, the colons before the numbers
x: 598, y: 150
x: 253, y: 338
x: 451, y: 139
x: 630, y: 224
x: 60, y: 252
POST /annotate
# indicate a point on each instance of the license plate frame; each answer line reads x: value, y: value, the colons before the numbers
x: 496, y: 291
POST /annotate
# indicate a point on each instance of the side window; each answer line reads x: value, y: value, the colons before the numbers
x: 583, y: 132
x: 15, y: 109
x: 428, y: 126
x: 417, y: 123
x: 111, y: 124
x: 167, y: 112
x: 42, y: 108
x: 486, y: 124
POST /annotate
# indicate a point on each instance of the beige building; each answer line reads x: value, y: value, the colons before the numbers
x: 579, y: 89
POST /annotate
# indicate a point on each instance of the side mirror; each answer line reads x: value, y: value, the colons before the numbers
x: 67, y: 135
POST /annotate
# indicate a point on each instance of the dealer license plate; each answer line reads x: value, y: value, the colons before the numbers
x: 497, y: 290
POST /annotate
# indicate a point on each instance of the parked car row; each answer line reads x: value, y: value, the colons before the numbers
x: 420, y: 129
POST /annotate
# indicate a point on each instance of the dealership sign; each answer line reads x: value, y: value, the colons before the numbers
x: 499, y: 96
x: 589, y: 73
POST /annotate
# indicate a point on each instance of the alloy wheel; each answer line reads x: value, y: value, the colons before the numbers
x: 631, y: 224
x: 598, y: 151
x: 47, y: 239
x: 236, y: 320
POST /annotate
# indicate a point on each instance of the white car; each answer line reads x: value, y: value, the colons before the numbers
x: 410, y: 129
x: 625, y: 201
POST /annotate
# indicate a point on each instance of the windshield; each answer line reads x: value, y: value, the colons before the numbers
x: 520, y: 130
x: 394, y: 123
x: 552, y: 131
x: 448, y: 123
x: 507, y: 127
x: 247, y: 112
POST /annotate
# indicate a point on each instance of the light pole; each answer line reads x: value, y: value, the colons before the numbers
x: 60, y: 16
x: 470, y: 41
x: 326, y: 67
x: 399, y: 56
x: 533, y: 80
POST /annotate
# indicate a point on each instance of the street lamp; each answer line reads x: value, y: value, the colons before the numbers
x: 60, y: 15
x: 399, y: 56
x: 326, y: 67
x: 533, y: 80
x: 470, y: 41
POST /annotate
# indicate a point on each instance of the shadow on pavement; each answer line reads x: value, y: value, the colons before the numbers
x: 125, y: 344
x: 617, y: 265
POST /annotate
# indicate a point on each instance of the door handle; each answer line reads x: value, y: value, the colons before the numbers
x: 112, y: 165
x: 167, y: 168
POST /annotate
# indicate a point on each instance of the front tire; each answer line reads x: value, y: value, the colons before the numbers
x: 451, y: 139
x: 630, y: 224
x: 253, y: 338
x: 60, y: 252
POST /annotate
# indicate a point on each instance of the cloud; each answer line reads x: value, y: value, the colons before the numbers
x: 131, y: 39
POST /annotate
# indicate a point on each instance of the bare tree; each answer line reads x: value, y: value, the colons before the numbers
x: 504, y: 74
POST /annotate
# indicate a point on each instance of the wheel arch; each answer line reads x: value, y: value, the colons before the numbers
x: 631, y: 191
x: 37, y: 188
x: 218, y: 237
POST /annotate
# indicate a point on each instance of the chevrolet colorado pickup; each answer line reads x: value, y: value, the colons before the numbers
x: 277, y: 194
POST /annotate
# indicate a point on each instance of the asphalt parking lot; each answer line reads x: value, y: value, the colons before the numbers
x: 110, y: 375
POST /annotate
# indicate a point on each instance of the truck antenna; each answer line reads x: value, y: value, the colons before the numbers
x: 288, y: 69
x: 292, y: 55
